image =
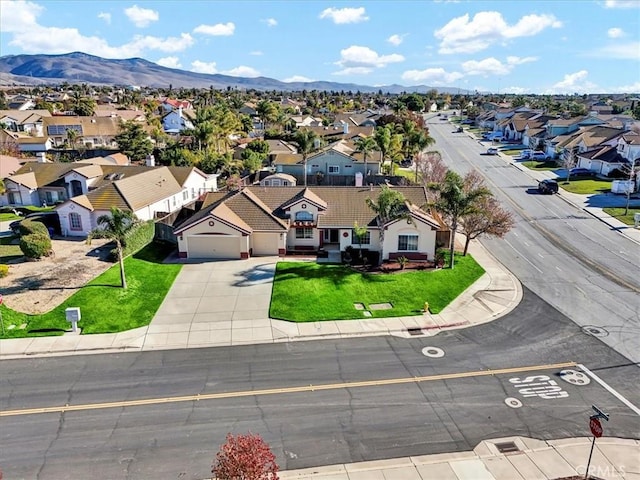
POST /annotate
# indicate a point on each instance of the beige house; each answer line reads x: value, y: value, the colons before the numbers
x: 272, y: 221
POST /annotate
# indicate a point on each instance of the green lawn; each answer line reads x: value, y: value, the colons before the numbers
x: 585, y: 186
x: 308, y: 292
x: 104, y: 306
x: 535, y: 165
x: 8, y: 217
x: 618, y: 213
x: 9, y: 252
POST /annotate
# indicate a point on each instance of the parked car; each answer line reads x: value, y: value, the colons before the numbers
x: 540, y: 156
x: 468, y: 121
x: 524, y: 154
x: 51, y: 220
x: 406, y: 163
x: 492, y: 151
x: 581, y: 172
x: 459, y: 130
x: 548, y: 186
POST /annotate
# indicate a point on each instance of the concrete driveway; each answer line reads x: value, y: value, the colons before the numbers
x: 215, y: 303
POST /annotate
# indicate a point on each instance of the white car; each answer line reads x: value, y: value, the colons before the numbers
x: 492, y: 151
x: 538, y: 156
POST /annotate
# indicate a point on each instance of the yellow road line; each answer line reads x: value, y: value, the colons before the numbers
x: 279, y: 391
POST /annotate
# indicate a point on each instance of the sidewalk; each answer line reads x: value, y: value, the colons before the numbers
x: 178, y: 326
x: 528, y: 459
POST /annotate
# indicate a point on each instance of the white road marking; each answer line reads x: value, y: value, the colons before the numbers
x: 635, y: 409
x: 433, y: 352
x: 540, y: 255
x: 523, y: 257
x: 558, y: 268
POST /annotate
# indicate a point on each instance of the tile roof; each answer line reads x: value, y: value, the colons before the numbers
x: 181, y: 174
x: 89, y: 171
x: 227, y: 215
x: 21, y: 116
x: 148, y: 187
x: 91, y: 126
x: 255, y: 213
x: 27, y: 179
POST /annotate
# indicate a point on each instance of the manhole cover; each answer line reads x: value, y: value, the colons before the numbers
x: 358, y: 306
x: 512, y: 402
x: 575, y: 377
x: 595, y: 331
x: 433, y: 352
x: 380, y: 306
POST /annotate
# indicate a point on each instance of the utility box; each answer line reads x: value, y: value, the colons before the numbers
x: 73, y: 317
x: 622, y: 186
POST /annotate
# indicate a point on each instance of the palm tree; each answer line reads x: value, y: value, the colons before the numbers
x: 365, y: 145
x: 115, y: 226
x: 390, y: 205
x: 383, y: 140
x: 306, y: 142
x: 456, y: 201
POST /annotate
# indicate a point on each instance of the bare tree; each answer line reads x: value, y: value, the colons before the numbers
x: 632, y: 169
x: 489, y: 219
x: 432, y: 170
x: 569, y: 160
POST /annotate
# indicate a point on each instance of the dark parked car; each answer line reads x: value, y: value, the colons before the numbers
x: 51, y: 220
x: 459, y: 130
x: 581, y: 172
x: 548, y: 186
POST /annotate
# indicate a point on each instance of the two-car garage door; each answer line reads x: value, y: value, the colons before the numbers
x: 213, y: 246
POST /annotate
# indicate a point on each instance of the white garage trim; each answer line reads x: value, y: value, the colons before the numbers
x: 263, y: 243
x: 213, y: 246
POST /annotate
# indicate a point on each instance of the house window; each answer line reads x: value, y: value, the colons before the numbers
x: 285, y: 183
x: 185, y: 195
x: 364, y: 240
x: 174, y: 201
x: 48, y: 197
x: 408, y: 243
x: 335, y: 169
x: 75, y: 221
x: 193, y: 193
x: 304, y: 216
x: 304, y: 232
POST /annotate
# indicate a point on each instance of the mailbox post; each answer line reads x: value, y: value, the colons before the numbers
x: 73, y: 317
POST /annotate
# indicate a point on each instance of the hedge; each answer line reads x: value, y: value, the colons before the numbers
x: 36, y: 245
x: 29, y: 227
x: 137, y: 238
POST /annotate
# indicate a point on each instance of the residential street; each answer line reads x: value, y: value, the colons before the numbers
x: 310, y: 427
x: 578, y: 264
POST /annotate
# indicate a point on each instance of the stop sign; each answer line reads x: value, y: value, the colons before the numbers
x: 596, y: 427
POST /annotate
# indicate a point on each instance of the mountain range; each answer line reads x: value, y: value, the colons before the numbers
x: 78, y: 67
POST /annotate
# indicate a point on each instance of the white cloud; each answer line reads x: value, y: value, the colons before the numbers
x: 271, y: 22
x: 242, y: 71
x: 622, y: 4
x: 634, y: 87
x: 203, y: 67
x: 297, y: 78
x: 432, y: 76
x: 357, y: 56
x: 20, y: 19
x: 18, y: 16
x: 462, y: 35
x: 354, y: 71
x: 170, y: 62
x: 345, y: 15
x: 219, y: 29
x: 256, y: 53
x: 615, y: 32
x: 492, y: 66
x: 516, y: 90
x: 395, y: 39
x: 106, y: 17
x: 627, y: 51
x: 573, y: 83
x: 141, y: 17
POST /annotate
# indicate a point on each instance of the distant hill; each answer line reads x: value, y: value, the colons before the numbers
x: 80, y: 67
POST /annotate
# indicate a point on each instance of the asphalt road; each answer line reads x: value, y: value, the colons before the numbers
x: 571, y: 259
x: 394, y: 416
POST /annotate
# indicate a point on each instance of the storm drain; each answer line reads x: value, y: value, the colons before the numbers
x: 415, y: 331
x: 507, y: 447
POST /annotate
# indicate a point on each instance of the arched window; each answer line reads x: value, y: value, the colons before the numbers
x: 304, y: 216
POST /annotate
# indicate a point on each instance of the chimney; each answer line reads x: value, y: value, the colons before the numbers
x: 180, y: 111
x: 359, y: 179
x: 42, y: 157
x: 150, y: 160
x: 345, y: 128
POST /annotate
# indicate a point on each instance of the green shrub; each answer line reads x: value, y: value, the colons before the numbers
x: 139, y: 237
x: 29, y: 227
x: 4, y: 270
x: 35, y: 245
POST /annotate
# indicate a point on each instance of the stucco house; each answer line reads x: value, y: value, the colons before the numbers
x: 178, y: 120
x: 85, y: 191
x: 259, y: 221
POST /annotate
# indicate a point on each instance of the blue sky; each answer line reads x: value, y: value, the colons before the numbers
x: 508, y: 46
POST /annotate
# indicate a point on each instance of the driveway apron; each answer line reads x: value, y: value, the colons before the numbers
x: 215, y: 303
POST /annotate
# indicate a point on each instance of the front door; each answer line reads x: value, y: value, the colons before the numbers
x: 332, y: 236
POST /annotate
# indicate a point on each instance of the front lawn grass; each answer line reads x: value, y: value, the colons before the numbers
x: 104, y: 306
x: 618, y: 214
x: 585, y: 186
x: 309, y: 292
x: 9, y: 252
x: 540, y: 166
